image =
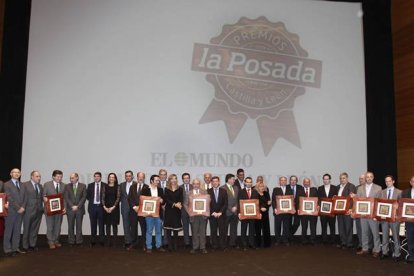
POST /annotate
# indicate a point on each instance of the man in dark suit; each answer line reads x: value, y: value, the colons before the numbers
x: 218, y: 206
x: 153, y: 223
x: 231, y: 212
x: 345, y: 222
x: 409, y: 226
x: 13, y: 221
x: 187, y: 187
x: 95, y: 209
x: 34, y: 209
x: 133, y: 199
x: 282, y: 221
x: 125, y: 208
x: 247, y: 193
x: 327, y: 190
x: 239, y: 182
x: 305, y: 220
x: 75, y: 197
x: 163, y: 184
x: 297, y: 190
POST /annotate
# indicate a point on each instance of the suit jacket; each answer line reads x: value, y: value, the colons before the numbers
x: 146, y: 191
x: 313, y: 192
x: 237, y: 184
x: 406, y: 193
x: 348, y: 189
x: 33, y: 200
x: 133, y: 196
x: 124, y: 198
x: 232, y: 201
x: 243, y: 195
x: 375, y: 191
x: 333, y: 191
x: 395, y: 195
x: 277, y: 191
x: 300, y: 191
x: 1, y: 187
x: 190, y: 188
x: 75, y: 200
x: 220, y: 205
x: 90, y: 194
x: 204, y: 187
x: 15, y: 197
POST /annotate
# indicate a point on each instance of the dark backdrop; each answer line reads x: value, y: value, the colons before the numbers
x: 381, y: 131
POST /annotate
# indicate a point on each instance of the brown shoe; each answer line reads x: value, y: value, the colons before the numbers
x: 52, y: 246
x: 58, y: 244
x: 362, y: 252
x: 375, y: 254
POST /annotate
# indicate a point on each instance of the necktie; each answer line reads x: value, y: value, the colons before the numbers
x: 97, y: 193
x: 37, y: 189
x: 216, y: 194
x: 197, y: 192
x: 307, y: 192
x: 139, y: 189
x: 231, y: 190
x: 74, y: 189
x: 57, y: 188
x: 18, y: 185
x: 248, y: 193
x: 389, y: 194
x: 294, y: 190
x: 186, y: 188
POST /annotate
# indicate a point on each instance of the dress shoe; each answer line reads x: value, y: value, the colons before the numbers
x: 33, y: 249
x: 192, y: 251
x: 10, y: 254
x: 409, y: 261
x: 52, y: 246
x: 161, y: 249
x: 57, y: 244
x: 384, y: 256
x: 204, y: 251
x: 362, y: 252
x: 149, y: 251
x: 376, y: 254
x: 92, y: 244
x: 21, y: 251
x: 396, y: 259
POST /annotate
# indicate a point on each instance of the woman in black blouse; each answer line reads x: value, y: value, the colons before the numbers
x: 172, y: 218
x: 262, y: 225
x: 111, y: 195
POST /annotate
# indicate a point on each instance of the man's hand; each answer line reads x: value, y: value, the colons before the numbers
x: 21, y: 210
x: 234, y: 209
x: 74, y: 208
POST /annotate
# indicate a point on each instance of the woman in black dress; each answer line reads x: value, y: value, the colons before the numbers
x: 111, y: 196
x: 262, y: 225
x: 172, y: 217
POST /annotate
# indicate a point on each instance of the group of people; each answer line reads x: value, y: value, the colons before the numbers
x: 108, y: 202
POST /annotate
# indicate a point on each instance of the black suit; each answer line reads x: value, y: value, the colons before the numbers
x: 247, y: 223
x: 133, y: 200
x: 325, y: 220
x: 345, y: 222
x: 282, y: 221
x: 218, y: 206
x: 237, y: 184
x: 295, y: 219
x: 308, y: 220
x: 96, y: 212
x: 409, y: 227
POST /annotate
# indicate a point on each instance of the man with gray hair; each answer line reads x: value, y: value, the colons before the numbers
x: 34, y: 209
x: 369, y: 189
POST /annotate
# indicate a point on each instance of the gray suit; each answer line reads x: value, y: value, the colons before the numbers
x: 232, y: 219
x: 185, y: 218
x: 198, y: 224
x: 33, y: 213
x: 53, y: 223
x: 72, y: 199
x: 125, y: 209
x: 369, y: 225
x: 345, y: 222
x: 13, y: 221
x: 395, y: 227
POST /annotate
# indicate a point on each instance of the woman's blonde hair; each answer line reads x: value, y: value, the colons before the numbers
x: 169, y: 185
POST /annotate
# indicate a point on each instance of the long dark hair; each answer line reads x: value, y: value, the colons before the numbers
x: 116, y: 178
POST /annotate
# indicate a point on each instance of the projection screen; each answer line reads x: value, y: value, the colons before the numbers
x: 275, y: 87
